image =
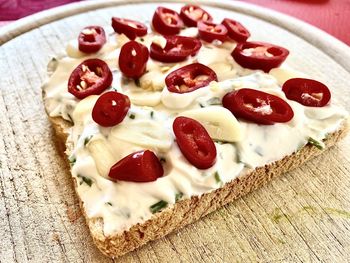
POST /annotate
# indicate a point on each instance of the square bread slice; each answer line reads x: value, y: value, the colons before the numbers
x: 187, y: 211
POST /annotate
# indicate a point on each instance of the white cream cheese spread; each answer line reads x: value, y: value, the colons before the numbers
x: 240, y: 145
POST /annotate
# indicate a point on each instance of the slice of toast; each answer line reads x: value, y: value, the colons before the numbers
x: 187, y: 211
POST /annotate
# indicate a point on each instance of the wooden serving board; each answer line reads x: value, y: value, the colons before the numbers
x: 303, y: 216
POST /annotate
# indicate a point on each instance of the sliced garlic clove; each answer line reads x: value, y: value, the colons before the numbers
x: 102, y: 154
x: 121, y: 39
x: 145, y: 98
x: 218, y: 121
x: 152, y: 80
x: 210, y: 55
x: 284, y: 73
x: 189, y: 32
x: 84, y: 107
x: 159, y: 40
x: 223, y: 70
x: 147, y: 133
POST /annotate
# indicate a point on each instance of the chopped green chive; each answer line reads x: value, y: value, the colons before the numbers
x: 137, y: 82
x: 238, y: 157
x: 70, y: 118
x: 319, y: 145
x: 259, y: 151
x: 217, y: 178
x: 214, y: 101
x: 85, y: 179
x: 142, y: 39
x: 109, y: 203
x: 162, y: 160
x: 178, y: 196
x: 201, y: 105
x: 158, y: 206
x: 72, y: 159
x: 152, y: 114
x: 87, y: 139
x: 125, y: 81
x: 132, y: 116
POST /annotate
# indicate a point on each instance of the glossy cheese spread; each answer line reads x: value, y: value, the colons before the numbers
x: 241, y: 146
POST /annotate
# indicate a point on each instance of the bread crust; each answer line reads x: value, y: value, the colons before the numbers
x: 188, y: 211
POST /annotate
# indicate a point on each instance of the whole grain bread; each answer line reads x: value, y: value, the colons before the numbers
x: 188, y: 211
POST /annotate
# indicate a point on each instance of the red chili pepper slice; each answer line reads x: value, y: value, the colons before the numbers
x: 307, y: 92
x: 191, y: 14
x: 209, y: 31
x: 236, y: 30
x: 257, y: 106
x: 130, y: 28
x: 177, y: 49
x: 133, y: 59
x: 110, y: 108
x: 91, y: 39
x: 91, y: 77
x: 194, y: 142
x: 166, y: 21
x: 190, y: 78
x: 259, y: 55
x: 142, y: 166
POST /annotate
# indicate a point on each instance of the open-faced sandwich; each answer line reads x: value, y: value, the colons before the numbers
x: 164, y: 123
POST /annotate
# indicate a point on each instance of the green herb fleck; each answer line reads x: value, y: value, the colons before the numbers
x: 114, y: 89
x: 337, y: 212
x: 152, y: 114
x: 158, y: 206
x: 125, y: 81
x: 109, y: 203
x: 162, y: 160
x: 201, y: 105
x: 142, y: 39
x: 87, y: 139
x: 319, y: 145
x: 132, y: 116
x: 219, y: 142
x: 214, y: 101
x: 281, y: 241
x: 72, y: 159
x: 178, y: 196
x: 137, y: 83
x: 85, y: 179
x: 217, y: 178
x: 278, y: 215
x: 259, y: 151
x: 70, y: 118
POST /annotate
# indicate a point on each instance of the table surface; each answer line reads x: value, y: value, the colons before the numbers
x: 302, y: 216
x: 332, y: 16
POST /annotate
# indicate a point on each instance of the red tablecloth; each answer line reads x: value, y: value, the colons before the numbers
x: 333, y: 16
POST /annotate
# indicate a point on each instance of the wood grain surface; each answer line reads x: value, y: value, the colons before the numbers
x: 303, y: 216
